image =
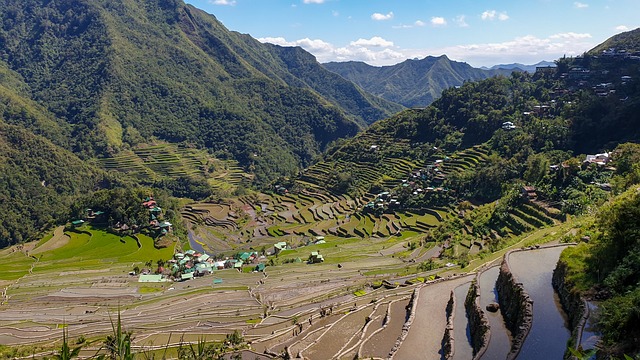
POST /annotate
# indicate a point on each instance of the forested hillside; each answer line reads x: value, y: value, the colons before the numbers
x: 38, y: 183
x: 412, y: 83
x: 123, y: 73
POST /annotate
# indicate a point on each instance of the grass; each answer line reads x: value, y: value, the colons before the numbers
x: 15, y: 265
x: 44, y: 240
x: 150, y: 289
x: 94, y: 249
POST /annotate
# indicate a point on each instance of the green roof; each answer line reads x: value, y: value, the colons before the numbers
x: 190, y: 252
x: 315, y: 253
x: 245, y: 256
x: 238, y: 264
x: 77, y: 222
x: 187, y: 276
x: 150, y: 278
x: 260, y: 267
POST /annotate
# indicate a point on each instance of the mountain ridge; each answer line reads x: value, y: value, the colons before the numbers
x: 412, y: 82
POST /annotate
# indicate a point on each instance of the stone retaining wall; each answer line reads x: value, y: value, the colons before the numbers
x: 411, y: 310
x: 573, y: 304
x: 478, y: 321
x: 515, y: 305
x: 448, y: 341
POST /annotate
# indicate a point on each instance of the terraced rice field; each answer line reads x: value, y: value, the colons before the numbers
x: 172, y: 161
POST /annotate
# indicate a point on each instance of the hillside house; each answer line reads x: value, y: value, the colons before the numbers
x: 278, y: 247
x: 600, y: 159
x: 315, y: 258
x: 529, y: 192
x: 508, y: 125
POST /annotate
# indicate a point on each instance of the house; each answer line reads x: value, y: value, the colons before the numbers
x: 278, y: 247
x: 529, y: 192
x: 186, y: 276
x: 76, y: 223
x: 260, y: 267
x: 315, y: 257
x: 600, y: 159
x: 508, y: 125
x: 150, y: 278
x: 549, y: 70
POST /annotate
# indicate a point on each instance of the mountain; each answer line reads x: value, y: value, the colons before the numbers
x: 629, y: 41
x: 586, y: 105
x: 114, y: 74
x: 521, y: 67
x: 412, y: 83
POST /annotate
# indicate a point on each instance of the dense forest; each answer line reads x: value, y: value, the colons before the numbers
x: 123, y: 73
x: 414, y: 82
x: 96, y: 78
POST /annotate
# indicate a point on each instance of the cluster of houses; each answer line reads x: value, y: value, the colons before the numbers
x: 423, y: 181
x: 583, y: 76
x: 190, y: 264
x: 622, y: 54
x: 384, y: 200
x: 155, y: 216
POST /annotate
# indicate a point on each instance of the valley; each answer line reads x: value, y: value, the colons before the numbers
x: 173, y: 189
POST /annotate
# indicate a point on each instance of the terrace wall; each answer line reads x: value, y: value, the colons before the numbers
x: 572, y: 302
x: 516, y: 307
x: 478, y: 321
x: 448, y: 341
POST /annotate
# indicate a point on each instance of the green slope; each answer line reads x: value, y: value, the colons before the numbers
x: 123, y: 72
x: 412, y: 83
x: 38, y: 182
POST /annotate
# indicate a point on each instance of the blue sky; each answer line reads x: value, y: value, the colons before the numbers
x: 385, y: 32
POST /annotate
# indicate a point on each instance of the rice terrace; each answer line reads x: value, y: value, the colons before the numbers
x: 174, y: 189
x: 304, y: 273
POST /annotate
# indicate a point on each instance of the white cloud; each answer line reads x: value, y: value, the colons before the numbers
x: 373, y: 51
x: 335, y: 13
x: 375, y: 41
x: 621, y: 28
x: 313, y: 1
x: 380, y: 17
x: 461, y: 21
x: 438, y: 21
x: 223, y: 2
x: 571, y: 36
x: 491, y: 15
x: 527, y: 49
x: 579, y: 5
x: 417, y: 23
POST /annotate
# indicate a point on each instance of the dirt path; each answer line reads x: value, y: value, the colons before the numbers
x: 58, y: 240
x: 425, y: 335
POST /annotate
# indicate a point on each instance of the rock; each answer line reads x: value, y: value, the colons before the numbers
x: 493, y: 307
